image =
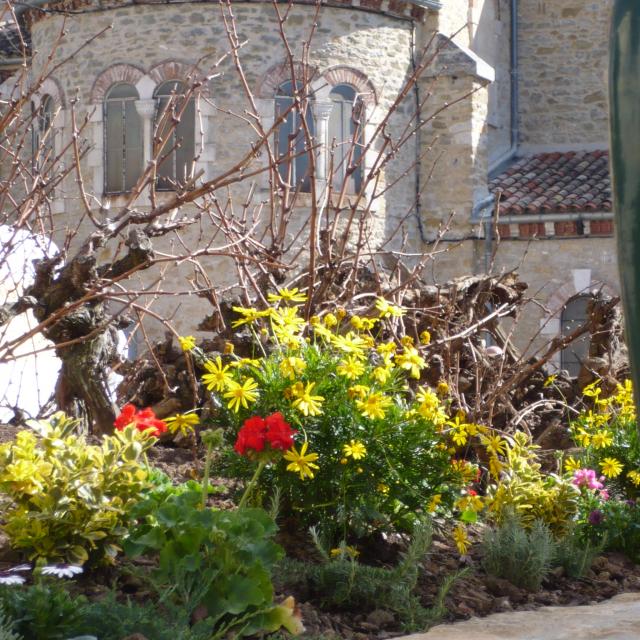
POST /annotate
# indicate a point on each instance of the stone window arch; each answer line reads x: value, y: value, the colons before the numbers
x: 124, y: 139
x: 173, y: 144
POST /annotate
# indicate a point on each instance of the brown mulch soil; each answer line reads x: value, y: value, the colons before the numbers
x: 475, y: 594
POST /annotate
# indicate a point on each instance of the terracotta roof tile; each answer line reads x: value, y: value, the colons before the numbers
x: 555, y: 182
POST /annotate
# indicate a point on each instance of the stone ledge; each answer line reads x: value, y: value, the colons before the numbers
x: 408, y: 9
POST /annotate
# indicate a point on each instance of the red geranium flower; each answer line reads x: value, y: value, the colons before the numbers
x: 251, y: 435
x: 257, y: 432
x: 142, y: 420
x: 279, y: 433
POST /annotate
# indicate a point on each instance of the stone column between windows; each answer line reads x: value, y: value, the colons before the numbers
x: 321, y: 113
x: 146, y: 110
x: 266, y: 112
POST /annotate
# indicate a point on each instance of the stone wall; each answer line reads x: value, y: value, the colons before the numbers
x: 142, y: 42
x: 491, y: 41
x: 562, y: 72
x: 556, y: 270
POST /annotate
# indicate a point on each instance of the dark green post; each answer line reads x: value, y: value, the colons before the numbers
x: 624, y: 118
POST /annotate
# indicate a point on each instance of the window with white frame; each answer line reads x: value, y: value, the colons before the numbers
x: 574, y: 314
x: 174, y: 135
x: 123, y: 143
x: 345, y: 138
x: 291, y: 150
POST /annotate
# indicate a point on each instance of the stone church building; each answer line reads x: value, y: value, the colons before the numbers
x: 521, y: 149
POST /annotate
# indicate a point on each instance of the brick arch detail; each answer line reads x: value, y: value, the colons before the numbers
x: 358, y: 80
x: 279, y: 73
x: 559, y: 298
x: 176, y: 70
x: 51, y: 87
x: 111, y: 75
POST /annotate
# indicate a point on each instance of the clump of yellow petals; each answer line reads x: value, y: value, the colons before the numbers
x: 187, y: 343
x: 571, y: 464
x: 634, y: 476
x: 349, y: 343
x: 291, y: 367
x: 388, y: 310
x: 363, y: 324
x: 358, y: 391
x: 183, y: 423
x: 461, y: 539
x: 287, y: 295
x: 374, y: 405
x: 248, y: 315
x: 434, y: 502
x: 411, y: 360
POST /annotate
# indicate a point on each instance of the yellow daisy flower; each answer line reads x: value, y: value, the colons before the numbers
x: 374, y: 405
x: 351, y: 368
x: 187, y: 342
x: 217, y: 379
x: 301, y: 462
x: 355, y: 450
x: 611, y: 467
x: 305, y: 402
x: 183, y: 423
x: 287, y: 295
x: 240, y: 395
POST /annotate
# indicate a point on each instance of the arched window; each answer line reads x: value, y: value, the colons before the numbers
x: 42, y: 140
x: 123, y: 139
x: 175, y: 144
x: 290, y: 139
x: 345, y: 136
x: 574, y: 315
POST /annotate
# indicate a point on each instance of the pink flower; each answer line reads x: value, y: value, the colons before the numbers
x: 587, y: 478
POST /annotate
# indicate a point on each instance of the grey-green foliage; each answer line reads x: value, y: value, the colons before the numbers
x: 576, y: 555
x: 523, y: 557
x: 344, y: 583
x: 7, y: 627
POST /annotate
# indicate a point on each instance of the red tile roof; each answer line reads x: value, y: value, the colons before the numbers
x: 555, y: 182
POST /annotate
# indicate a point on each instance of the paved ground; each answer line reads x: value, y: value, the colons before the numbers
x: 615, y: 619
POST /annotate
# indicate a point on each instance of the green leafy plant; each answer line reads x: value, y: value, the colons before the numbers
x: 43, y: 611
x: 575, y: 555
x: 523, y: 556
x: 613, y: 524
x: 63, y: 499
x: 524, y: 489
x: 369, y: 452
x: 219, y: 561
x: 7, y: 626
x: 342, y: 582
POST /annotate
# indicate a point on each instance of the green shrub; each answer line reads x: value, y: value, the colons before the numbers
x: 42, y: 611
x: 63, y: 499
x: 522, y: 556
x: 216, y: 560
x: 575, y: 555
x: 375, y: 452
